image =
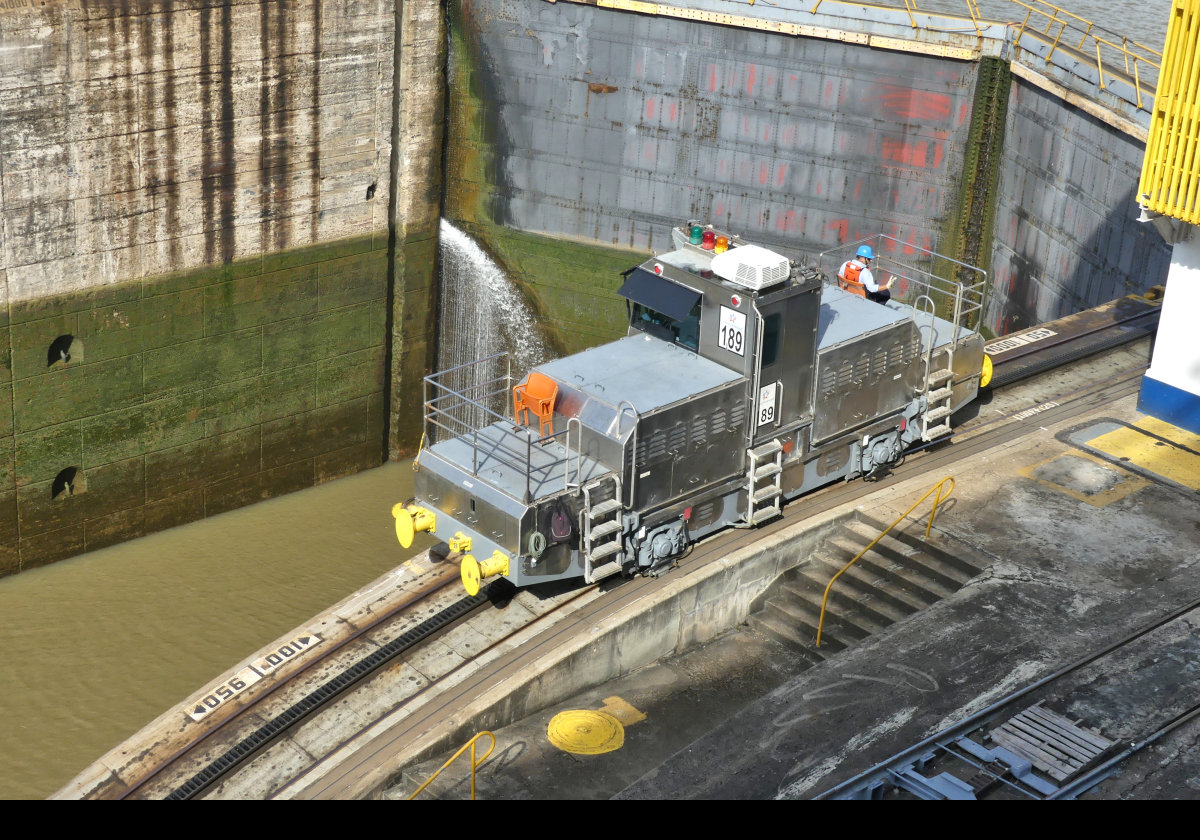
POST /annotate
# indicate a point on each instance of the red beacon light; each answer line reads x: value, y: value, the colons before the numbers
x: 709, y: 241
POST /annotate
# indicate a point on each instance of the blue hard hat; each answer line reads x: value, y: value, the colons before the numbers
x: 865, y: 252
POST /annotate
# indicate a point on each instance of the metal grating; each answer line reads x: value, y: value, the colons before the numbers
x: 1054, y: 744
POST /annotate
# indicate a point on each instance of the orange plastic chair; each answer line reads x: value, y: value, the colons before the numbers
x: 537, y: 395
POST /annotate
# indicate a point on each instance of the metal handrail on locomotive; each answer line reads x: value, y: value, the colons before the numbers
x: 745, y: 380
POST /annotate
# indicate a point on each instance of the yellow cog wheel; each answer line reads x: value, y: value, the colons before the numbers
x: 985, y: 375
x: 468, y: 570
x: 404, y: 525
x: 586, y: 732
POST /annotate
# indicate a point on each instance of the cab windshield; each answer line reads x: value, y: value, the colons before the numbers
x: 685, y: 333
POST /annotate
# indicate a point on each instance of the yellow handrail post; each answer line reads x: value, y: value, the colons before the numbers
x: 936, y: 501
x: 474, y: 763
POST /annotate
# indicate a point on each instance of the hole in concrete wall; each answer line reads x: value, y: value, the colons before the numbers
x: 60, y: 350
x: 370, y: 192
x: 64, y: 483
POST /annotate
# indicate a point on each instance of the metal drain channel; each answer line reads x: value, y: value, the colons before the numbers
x: 258, y: 739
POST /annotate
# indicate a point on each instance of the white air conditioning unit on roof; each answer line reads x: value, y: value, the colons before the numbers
x: 751, y: 267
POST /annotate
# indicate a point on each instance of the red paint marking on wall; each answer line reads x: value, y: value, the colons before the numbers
x: 750, y: 74
x: 902, y: 151
x: 649, y: 109
x: 905, y: 103
x: 841, y: 226
x: 787, y: 221
x: 963, y: 113
x: 712, y: 78
x: 857, y: 188
x: 781, y: 175
x: 674, y: 112
x: 762, y: 174
x: 915, y: 241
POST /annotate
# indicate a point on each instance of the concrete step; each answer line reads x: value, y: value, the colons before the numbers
x: 889, y: 553
x: 769, y: 624
x: 957, y: 559
x: 878, y: 610
x: 865, y: 581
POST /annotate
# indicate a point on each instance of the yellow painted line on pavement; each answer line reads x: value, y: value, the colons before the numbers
x: 1155, y: 447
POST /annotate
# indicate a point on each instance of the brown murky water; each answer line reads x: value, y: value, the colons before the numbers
x: 97, y: 646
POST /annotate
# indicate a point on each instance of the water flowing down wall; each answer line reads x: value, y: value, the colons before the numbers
x: 482, y: 313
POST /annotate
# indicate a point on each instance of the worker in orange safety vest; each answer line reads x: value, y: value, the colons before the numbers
x: 855, y: 277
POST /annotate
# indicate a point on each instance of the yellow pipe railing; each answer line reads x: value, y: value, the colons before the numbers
x: 936, y: 501
x: 475, y: 762
x: 1061, y: 30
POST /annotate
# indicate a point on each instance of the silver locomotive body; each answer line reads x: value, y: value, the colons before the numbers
x: 744, y: 381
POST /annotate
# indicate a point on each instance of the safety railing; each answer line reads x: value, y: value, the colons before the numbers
x: 475, y: 762
x: 938, y: 499
x: 472, y: 402
x: 1113, y: 53
x: 1108, y: 53
x: 956, y: 288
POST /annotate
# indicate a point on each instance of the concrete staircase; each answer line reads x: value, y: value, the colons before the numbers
x: 902, y: 574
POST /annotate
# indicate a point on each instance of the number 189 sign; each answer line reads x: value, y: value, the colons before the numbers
x: 732, y: 336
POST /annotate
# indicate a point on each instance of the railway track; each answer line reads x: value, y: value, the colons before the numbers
x: 1026, y: 732
x: 222, y: 760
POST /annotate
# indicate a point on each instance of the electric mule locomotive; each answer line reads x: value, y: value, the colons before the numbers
x: 744, y: 380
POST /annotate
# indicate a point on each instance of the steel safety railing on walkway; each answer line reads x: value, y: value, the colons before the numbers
x: 475, y: 762
x: 938, y: 499
x: 1109, y: 54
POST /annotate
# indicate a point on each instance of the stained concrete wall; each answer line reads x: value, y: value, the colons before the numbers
x: 609, y: 126
x: 199, y: 195
x: 1066, y: 235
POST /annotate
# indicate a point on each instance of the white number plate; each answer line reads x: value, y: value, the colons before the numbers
x: 766, y: 404
x: 732, y: 336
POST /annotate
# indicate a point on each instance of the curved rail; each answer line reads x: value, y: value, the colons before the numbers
x: 936, y: 501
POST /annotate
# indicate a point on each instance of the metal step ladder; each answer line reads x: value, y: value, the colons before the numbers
x: 764, y: 477
x: 600, y: 526
x: 938, y: 387
x: 937, y: 399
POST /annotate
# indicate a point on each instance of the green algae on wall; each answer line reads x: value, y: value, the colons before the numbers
x: 188, y: 395
x: 968, y: 232
x: 570, y: 286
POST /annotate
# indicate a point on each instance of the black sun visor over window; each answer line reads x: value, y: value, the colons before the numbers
x: 659, y: 294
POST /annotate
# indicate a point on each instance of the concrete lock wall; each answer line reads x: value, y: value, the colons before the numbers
x: 608, y: 127
x: 1066, y: 234
x: 231, y: 211
x: 195, y: 269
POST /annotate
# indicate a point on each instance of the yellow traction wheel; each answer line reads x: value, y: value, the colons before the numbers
x: 404, y: 525
x: 985, y: 375
x: 469, y: 571
x: 586, y: 732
